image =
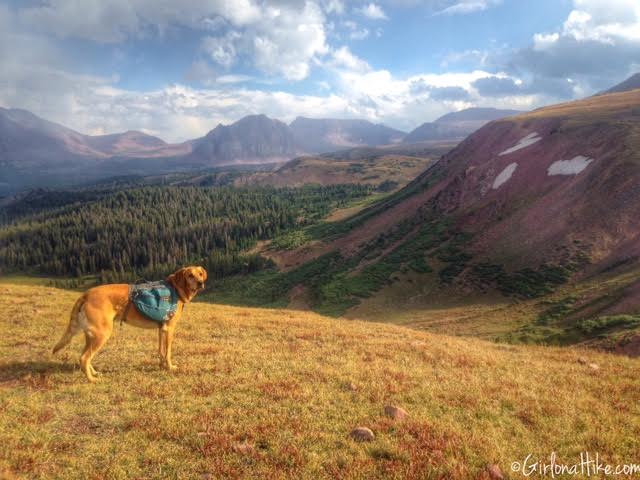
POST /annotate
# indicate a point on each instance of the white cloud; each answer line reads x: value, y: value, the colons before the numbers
x: 222, y: 49
x: 373, y: 11
x: 201, y: 72
x: 468, y: 6
x: 354, y: 30
x: 478, y: 57
x: 280, y: 38
x: 617, y: 20
x: 116, y: 20
x: 283, y: 39
x: 342, y: 58
x: 334, y: 6
x: 542, y: 41
x: 287, y: 41
x: 597, y: 46
x: 613, y: 22
x: 233, y: 79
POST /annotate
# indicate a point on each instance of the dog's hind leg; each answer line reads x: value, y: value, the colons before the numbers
x: 74, y: 326
x: 93, y: 343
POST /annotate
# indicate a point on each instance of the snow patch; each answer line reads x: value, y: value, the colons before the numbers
x: 504, y: 175
x: 569, y: 167
x: 530, y: 139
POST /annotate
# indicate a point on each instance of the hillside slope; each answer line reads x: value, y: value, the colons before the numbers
x: 37, y: 152
x: 520, y: 207
x: 275, y: 394
x: 391, y: 170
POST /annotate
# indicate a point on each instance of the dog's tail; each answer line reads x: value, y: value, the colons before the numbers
x: 73, y: 327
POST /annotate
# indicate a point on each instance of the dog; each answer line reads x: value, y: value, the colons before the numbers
x: 95, y: 312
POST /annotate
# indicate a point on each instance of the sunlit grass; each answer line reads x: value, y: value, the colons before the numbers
x: 274, y: 394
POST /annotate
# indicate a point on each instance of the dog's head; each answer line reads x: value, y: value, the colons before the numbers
x: 189, y: 279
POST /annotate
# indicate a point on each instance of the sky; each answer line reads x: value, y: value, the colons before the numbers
x: 178, y: 68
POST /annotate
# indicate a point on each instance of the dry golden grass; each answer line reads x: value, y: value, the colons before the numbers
x: 274, y: 394
x: 375, y: 170
x: 603, y: 104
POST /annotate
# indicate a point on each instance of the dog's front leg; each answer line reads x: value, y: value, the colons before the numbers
x: 166, y: 340
x: 169, y: 338
x: 162, y: 346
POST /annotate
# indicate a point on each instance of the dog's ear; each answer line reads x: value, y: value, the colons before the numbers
x: 204, y: 274
x: 178, y: 279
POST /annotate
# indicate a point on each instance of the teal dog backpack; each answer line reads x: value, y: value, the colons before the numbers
x: 157, y: 301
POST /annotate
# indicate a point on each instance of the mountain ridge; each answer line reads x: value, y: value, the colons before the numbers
x: 457, y: 125
x: 471, y: 222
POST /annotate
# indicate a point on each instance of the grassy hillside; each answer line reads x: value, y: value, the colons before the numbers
x: 275, y: 394
x: 539, y: 258
x: 388, y: 172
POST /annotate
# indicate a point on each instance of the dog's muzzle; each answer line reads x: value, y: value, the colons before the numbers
x: 201, y: 285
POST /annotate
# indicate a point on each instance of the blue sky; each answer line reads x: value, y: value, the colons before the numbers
x: 177, y: 68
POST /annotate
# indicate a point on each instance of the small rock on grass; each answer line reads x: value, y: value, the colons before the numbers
x: 494, y: 472
x: 244, y: 448
x: 397, y: 413
x: 594, y: 366
x: 362, y: 434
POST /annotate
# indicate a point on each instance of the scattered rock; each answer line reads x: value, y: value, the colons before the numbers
x: 582, y: 360
x: 244, y: 448
x: 362, y: 434
x: 494, y: 472
x: 350, y: 386
x: 397, y: 413
x: 594, y: 366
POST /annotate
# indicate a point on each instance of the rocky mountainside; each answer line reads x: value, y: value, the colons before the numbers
x: 36, y: 152
x: 320, y: 135
x: 456, y: 125
x: 252, y: 139
x: 524, y: 205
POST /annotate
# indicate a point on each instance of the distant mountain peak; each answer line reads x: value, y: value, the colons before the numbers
x: 457, y: 125
x: 322, y: 135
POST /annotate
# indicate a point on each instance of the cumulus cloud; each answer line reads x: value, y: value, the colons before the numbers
x: 372, y: 11
x: 286, y: 37
x: 597, y: 46
x: 287, y: 40
x: 116, y: 20
x: 420, y: 87
x: 497, y: 86
x: 222, y: 49
x: 342, y: 58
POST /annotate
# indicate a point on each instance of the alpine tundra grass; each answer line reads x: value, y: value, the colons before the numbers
x: 275, y: 393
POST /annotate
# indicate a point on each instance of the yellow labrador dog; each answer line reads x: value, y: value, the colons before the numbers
x: 95, y: 312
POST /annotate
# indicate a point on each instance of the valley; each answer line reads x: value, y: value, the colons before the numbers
x: 433, y: 235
